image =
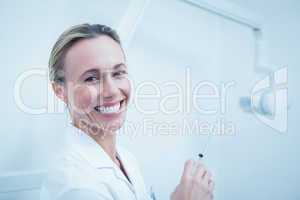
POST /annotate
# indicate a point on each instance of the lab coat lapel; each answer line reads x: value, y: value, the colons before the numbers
x: 91, y: 151
x: 128, y: 165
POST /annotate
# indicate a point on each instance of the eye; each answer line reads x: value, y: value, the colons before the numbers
x: 119, y: 73
x: 91, y: 79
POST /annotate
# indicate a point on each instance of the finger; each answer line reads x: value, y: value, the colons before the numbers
x: 200, y: 172
x: 211, y: 185
x: 187, y: 171
x: 207, y: 178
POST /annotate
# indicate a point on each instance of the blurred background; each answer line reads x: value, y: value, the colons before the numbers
x: 251, y: 145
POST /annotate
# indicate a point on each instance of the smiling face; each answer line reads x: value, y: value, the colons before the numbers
x: 97, y: 88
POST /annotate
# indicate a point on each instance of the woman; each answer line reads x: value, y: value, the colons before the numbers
x: 89, y: 73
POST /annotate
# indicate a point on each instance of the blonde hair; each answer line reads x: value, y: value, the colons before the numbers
x: 67, y: 39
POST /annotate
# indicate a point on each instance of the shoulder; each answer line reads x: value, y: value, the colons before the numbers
x: 80, y: 194
x: 70, y: 175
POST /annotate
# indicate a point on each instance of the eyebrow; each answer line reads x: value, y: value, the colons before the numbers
x: 96, y: 70
x: 119, y: 65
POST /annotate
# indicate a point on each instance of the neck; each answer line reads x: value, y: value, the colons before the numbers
x: 108, y: 143
x: 106, y: 140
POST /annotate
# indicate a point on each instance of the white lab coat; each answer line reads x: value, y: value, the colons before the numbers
x: 85, y: 172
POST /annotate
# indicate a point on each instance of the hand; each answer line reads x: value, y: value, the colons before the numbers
x: 196, y: 185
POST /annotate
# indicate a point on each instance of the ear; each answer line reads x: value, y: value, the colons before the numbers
x: 60, y: 91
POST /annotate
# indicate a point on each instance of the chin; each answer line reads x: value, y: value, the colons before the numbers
x: 108, y: 124
x: 106, y: 118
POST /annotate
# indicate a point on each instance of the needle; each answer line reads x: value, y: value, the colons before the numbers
x: 204, y: 150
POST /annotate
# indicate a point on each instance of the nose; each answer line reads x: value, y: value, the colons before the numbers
x: 108, y: 89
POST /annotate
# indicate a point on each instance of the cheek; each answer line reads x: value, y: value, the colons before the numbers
x: 83, y: 98
x: 126, y: 87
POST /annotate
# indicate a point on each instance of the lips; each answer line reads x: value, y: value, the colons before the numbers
x: 110, y: 108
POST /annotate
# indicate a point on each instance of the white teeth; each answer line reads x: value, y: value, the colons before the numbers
x: 108, y: 109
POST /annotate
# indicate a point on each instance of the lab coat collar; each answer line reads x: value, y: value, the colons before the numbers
x: 88, y: 148
x: 91, y: 151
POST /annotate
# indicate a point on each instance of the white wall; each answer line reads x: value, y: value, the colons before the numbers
x: 255, y: 163
x: 273, y: 162
x: 165, y: 44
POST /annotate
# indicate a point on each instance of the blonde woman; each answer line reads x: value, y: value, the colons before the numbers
x: 89, y: 74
